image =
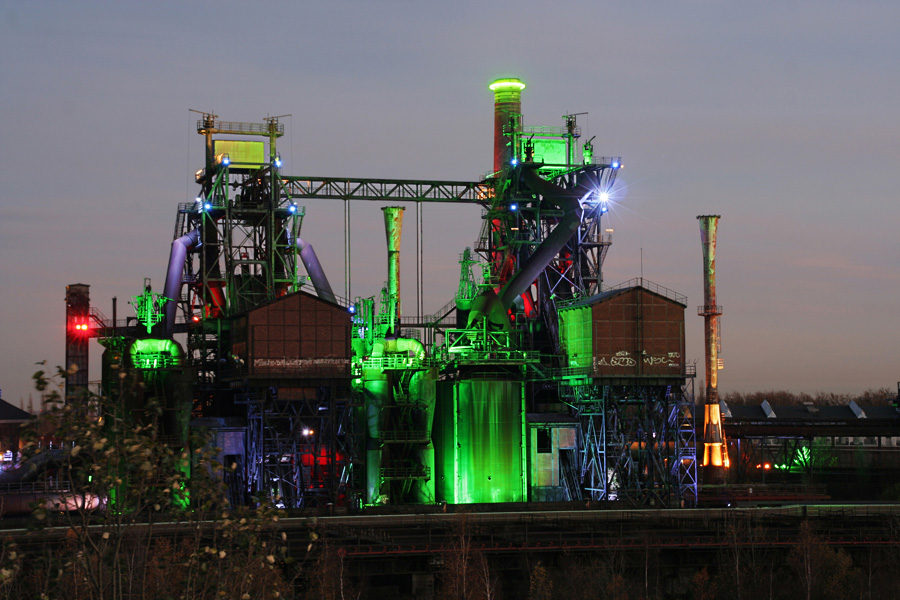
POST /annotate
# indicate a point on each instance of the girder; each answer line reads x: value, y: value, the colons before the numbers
x: 410, y: 190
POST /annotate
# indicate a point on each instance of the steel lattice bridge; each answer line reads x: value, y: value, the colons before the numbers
x: 393, y: 190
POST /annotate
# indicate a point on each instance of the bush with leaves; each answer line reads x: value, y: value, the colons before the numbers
x: 133, y: 515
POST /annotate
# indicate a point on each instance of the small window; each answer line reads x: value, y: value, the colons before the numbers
x: 544, y: 443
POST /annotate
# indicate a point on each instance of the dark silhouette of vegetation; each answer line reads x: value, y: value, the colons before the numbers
x: 466, y: 573
x: 871, y: 397
x: 140, y: 517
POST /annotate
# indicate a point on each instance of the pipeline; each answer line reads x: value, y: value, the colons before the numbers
x: 314, y: 269
x: 568, y: 201
x: 494, y: 308
x: 181, y: 246
x: 398, y: 345
x: 174, y: 274
x: 378, y: 384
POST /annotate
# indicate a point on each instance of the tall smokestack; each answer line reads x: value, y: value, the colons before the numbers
x: 507, y: 115
x: 715, y: 451
x: 393, y: 226
x: 78, y: 317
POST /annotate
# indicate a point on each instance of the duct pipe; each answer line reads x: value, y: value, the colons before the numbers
x: 380, y: 382
x: 568, y: 200
x: 492, y: 307
x: 715, y: 451
x: 507, y: 115
x: 314, y: 269
x: 393, y: 226
x: 174, y: 274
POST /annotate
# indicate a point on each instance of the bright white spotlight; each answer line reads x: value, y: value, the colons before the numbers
x: 604, y: 197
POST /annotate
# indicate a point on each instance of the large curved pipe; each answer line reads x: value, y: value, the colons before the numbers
x: 397, y: 345
x: 568, y: 201
x: 172, y: 287
x: 315, y: 271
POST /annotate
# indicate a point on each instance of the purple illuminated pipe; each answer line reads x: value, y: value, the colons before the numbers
x: 172, y: 287
x: 175, y: 272
x: 315, y: 271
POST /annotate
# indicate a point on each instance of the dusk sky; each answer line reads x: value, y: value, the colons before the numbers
x: 782, y: 117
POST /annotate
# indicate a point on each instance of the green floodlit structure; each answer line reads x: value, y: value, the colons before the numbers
x: 155, y: 355
x: 481, y: 441
x: 535, y: 382
x: 159, y: 362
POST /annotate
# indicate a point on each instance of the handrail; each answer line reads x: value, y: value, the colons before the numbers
x: 634, y: 282
x: 652, y: 287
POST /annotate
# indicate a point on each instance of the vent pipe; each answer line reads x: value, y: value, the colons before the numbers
x: 393, y: 225
x: 507, y: 118
x: 715, y: 451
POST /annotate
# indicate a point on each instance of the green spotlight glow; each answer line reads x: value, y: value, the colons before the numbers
x: 155, y: 354
x: 508, y: 84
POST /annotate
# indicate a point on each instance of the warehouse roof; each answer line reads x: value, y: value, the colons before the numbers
x: 13, y: 414
x: 636, y: 283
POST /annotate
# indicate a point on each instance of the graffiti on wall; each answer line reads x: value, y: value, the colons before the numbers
x: 623, y: 358
x: 301, y: 363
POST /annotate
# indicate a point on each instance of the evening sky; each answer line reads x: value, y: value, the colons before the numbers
x: 782, y: 117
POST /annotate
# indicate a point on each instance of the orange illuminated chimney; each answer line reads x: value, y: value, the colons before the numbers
x: 715, y: 450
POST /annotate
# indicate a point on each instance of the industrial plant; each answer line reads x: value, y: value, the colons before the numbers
x: 537, y: 382
x: 541, y: 426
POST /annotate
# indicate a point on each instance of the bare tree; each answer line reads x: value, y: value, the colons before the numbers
x: 822, y: 571
x: 466, y: 572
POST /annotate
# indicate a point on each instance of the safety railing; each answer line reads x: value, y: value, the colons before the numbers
x: 649, y: 286
x: 393, y: 435
x: 414, y: 472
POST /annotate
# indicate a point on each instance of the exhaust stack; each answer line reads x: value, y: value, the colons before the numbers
x: 393, y: 226
x: 507, y: 117
x: 715, y: 451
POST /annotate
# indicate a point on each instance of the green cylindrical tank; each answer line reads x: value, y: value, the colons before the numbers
x: 479, y: 441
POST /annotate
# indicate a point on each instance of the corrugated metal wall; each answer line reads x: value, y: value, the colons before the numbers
x: 638, y: 333
x: 296, y: 336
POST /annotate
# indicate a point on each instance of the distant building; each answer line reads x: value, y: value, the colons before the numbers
x: 11, y: 420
